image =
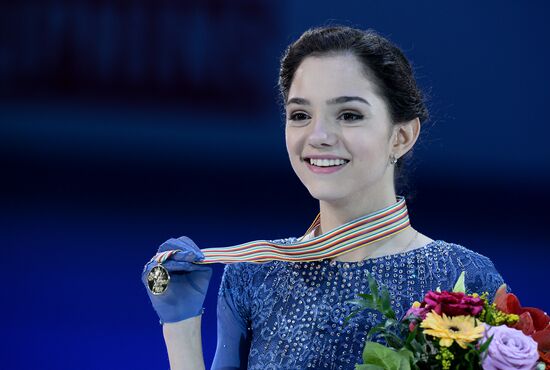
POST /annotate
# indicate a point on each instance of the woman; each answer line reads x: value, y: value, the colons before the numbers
x: 353, y: 112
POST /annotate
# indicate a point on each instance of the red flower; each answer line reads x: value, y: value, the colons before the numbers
x: 453, y: 303
x: 545, y: 357
x: 449, y: 303
x: 532, y: 321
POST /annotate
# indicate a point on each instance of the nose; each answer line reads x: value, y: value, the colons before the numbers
x: 322, y: 133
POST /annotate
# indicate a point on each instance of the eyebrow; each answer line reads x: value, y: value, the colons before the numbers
x: 338, y: 100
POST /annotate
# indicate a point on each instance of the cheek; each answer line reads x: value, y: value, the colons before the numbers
x: 364, y: 148
x: 291, y: 143
x: 288, y: 143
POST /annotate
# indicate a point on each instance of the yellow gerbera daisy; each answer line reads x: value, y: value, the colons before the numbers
x: 459, y: 329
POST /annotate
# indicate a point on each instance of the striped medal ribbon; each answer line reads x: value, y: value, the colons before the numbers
x: 355, y: 234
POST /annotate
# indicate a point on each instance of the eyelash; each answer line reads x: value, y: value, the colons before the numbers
x: 356, y: 117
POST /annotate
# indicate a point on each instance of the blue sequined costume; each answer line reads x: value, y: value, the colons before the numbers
x: 287, y: 315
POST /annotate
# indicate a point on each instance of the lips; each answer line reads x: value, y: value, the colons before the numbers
x: 322, y: 156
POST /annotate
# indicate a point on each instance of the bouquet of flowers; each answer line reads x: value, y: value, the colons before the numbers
x: 455, y: 330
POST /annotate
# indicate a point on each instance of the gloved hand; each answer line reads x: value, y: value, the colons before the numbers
x: 188, y: 284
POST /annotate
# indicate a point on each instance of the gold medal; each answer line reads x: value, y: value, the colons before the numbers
x: 158, y: 279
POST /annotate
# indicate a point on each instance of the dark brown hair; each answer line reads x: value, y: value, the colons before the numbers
x: 384, y: 63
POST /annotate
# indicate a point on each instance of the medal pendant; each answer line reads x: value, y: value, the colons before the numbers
x: 158, y: 279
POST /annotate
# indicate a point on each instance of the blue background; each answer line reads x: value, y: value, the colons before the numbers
x: 126, y: 123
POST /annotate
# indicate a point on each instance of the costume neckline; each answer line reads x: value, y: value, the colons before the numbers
x: 385, y: 257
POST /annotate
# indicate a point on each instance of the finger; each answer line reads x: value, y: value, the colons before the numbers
x: 178, y: 255
x: 171, y: 244
x: 182, y: 243
x: 175, y: 266
x: 191, y: 244
x: 149, y: 265
x: 187, y: 256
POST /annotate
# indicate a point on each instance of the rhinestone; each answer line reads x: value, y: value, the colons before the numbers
x: 302, y: 311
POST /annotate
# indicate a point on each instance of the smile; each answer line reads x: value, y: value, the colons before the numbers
x: 324, y: 166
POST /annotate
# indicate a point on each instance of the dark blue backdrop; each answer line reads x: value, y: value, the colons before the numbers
x: 125, y: 124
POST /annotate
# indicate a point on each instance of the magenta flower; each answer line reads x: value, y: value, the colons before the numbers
x: 449, y: 303
x: 418, y: 312
x: 453, y: 303
x: 509, y: 349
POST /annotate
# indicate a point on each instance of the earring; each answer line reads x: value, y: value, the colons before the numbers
x: 393, y: 160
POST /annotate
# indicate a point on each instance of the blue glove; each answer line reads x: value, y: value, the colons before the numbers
x: 188, y: 284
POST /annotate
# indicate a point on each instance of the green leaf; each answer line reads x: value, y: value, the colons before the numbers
x: 367, y: 302
x: 407, y: 357
x: 386, y: 358
x: 417, y: 347
x: 375, y: 330
x: 486, y: 344
x: 385, y: 304
x: 353, y: 313
x: 368, y: 367
x: 373, y: 286
x: 459, y: 285
x: 393, y: 340
x: 379, y: 299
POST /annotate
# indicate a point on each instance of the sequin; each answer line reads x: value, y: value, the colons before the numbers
x: 296, y: 309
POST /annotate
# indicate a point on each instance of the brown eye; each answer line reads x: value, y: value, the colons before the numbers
x: 348, y: 116
x: 300, y: 116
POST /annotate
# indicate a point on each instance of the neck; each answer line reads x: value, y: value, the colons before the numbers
x: 335, y: 214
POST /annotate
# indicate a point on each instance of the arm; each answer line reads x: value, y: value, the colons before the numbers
x: 233, y: 343
x: 184, y: 345
x: 179, y: 307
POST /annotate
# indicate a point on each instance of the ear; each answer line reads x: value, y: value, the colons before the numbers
x: 404, y: 136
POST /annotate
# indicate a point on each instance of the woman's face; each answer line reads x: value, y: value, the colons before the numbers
x: 334, y: 111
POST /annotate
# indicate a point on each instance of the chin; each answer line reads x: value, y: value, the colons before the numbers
x: 327, y: 194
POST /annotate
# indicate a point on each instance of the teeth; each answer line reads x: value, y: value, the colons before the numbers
x: 327, y: 162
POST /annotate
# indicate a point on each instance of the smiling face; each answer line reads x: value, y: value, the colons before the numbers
x: 333, y: 110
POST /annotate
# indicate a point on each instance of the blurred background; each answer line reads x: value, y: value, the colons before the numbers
x: 123, y: 124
